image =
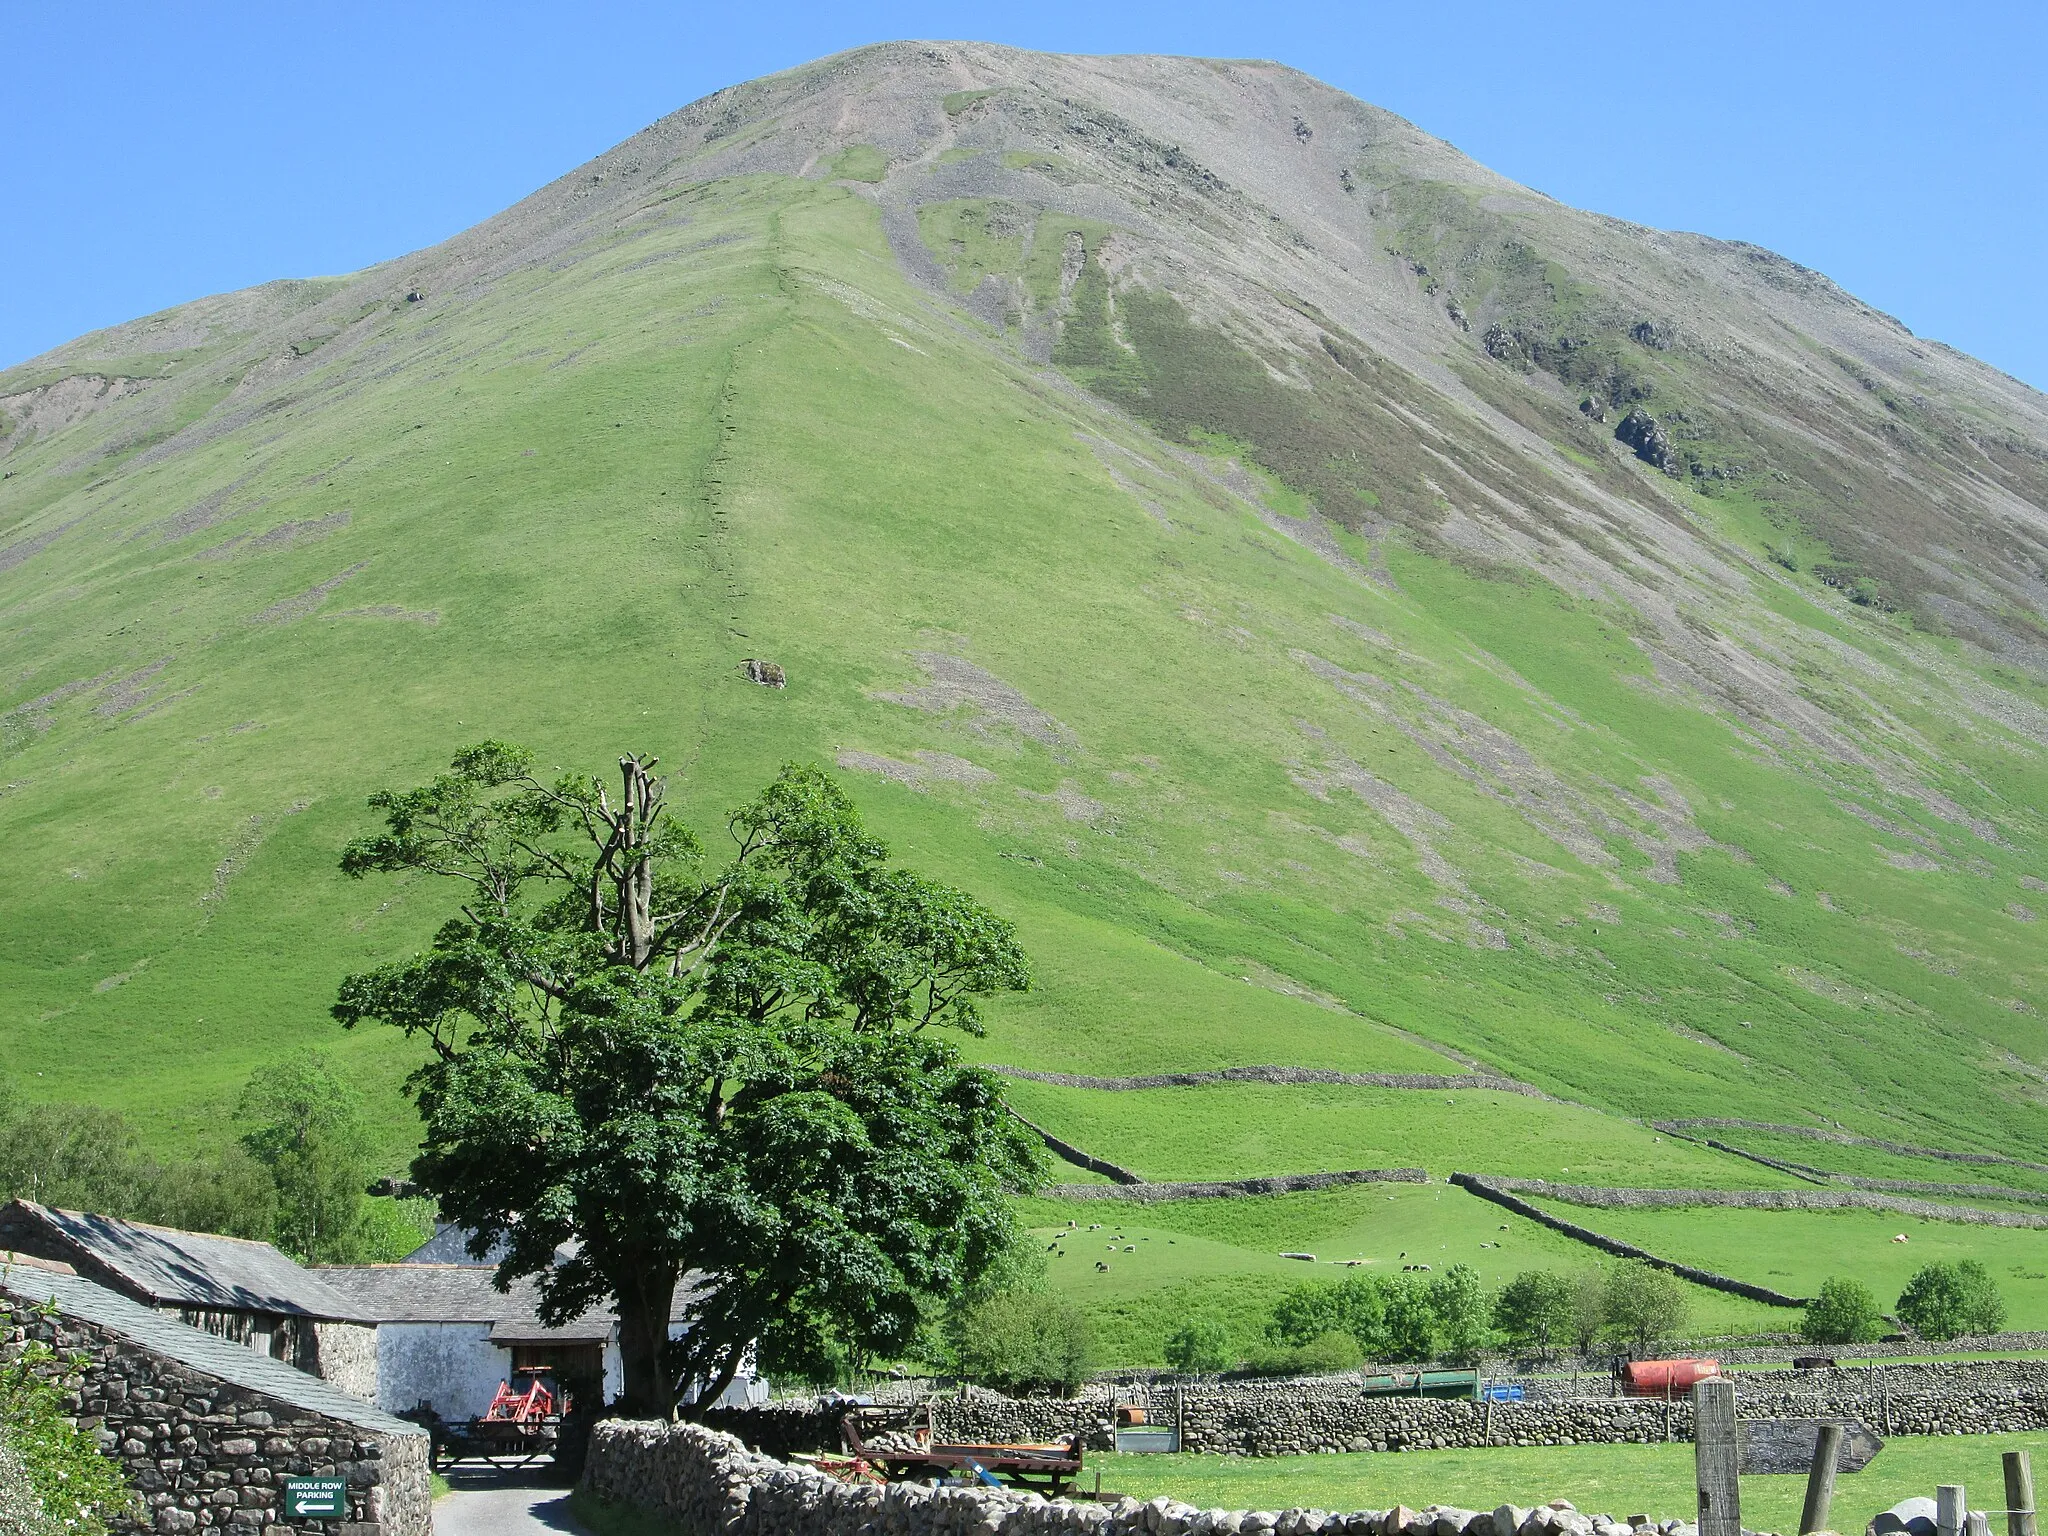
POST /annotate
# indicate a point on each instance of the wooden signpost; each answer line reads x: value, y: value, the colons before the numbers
x: 1788, y: 1445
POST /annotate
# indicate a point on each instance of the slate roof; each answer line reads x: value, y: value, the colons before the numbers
x: 411, y: 1292
x: 448, y: 1245
x: 190, y: 1269
x: 79, y: 1298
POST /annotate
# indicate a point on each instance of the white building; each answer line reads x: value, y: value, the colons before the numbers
x: 448, y: 1339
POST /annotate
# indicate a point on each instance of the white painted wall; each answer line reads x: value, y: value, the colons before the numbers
x: 454, y: 1366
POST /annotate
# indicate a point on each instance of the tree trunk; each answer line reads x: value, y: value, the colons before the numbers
x: 643, y: 1331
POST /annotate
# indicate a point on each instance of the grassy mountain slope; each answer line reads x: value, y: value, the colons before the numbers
x: 1188, y: 506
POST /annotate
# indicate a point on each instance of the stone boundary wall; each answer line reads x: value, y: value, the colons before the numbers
x: 1333, y: 1414
x: 1228, y: 1189
x: 1844, y: 1139
x: 1431, y: 1081
x: 208, y: 1454
x: 1068, y: 1152
x: 1767, y: 1200
x: 708, y: 1484
x: 1500, y: 1194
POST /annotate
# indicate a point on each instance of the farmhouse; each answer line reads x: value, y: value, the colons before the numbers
x: 447, y: 1338
x: 246, y: 1292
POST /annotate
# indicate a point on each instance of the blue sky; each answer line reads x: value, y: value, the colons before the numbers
x: 158, y: 152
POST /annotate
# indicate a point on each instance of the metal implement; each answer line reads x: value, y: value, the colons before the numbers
x: 1788, y: 1445
x: 1446, y: 1384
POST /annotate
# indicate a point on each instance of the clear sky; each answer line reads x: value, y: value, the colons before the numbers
x: 157, y: 152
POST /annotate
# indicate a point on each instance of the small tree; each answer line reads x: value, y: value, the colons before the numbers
x: 307, y: 1130
x: 1844, y: 1312
x: 1535, y: 1310
x: 1462, y: 1315
x: 1199, y: 1347
x: 1645, y: 1303
x: 1589, y: 1308
x: 1411, y: 1330
x: 1022, y: 1341
x: 1355, y: 1305
x: 736, y: 1074
x: 1945, y: 1299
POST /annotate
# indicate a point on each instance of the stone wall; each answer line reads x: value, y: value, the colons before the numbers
x: 204, y: 1452
x: 706, y: 1483
x: 1281, y: 1418
x: 1606, y: 1198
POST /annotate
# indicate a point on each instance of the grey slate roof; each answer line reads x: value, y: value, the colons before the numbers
x: 195, y: 1269
x: 449, y: 1245
x: 235, y: 1363
x: 412, y: 1292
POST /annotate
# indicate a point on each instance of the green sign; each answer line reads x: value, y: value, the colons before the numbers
x: 315, y: 1498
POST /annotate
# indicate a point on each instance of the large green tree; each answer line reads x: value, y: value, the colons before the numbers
x: 641, y: 1069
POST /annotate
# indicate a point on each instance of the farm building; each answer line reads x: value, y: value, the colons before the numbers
x: 246, y: 1292
x: 447, y: 1337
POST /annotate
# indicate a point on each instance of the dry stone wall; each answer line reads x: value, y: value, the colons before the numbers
x: 205, y: 1453
x: 706, y: 1483
x: 1329, y: 1414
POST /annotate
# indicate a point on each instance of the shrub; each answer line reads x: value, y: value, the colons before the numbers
x: 1535, y: 1309
x: 1022, y: 1341
x: 1355, y: 1305
x: 52, y: 1477
x: 1845, y: 1312
x: 1644, y: 1303
x: 1458, y: 1302
x: 1199, y: 1347
x: 1324, y: 1355
x: 1411, y: 1331
x: 1946, y: 1299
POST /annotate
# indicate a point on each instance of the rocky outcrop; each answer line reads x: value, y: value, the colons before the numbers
x: 1652, y: 444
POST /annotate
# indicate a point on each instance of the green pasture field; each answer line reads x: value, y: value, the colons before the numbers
x: 1795, y: 1251
x: 562, y: 506
x: 1234, y: 1130
x: 1620, y: 1480
x: 1223, y: 1257
x: 1877, y: 1163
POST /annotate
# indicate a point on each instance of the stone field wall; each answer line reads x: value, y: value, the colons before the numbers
x: 1284, y: 1418
x: 706, y: 1483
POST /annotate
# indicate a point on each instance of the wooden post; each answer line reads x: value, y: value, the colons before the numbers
x: 1820, y: 1482
x: 1949, y: 1509
x: 1717, y: 1459
x: 1180, y: 1417
x: 2019, y: 1495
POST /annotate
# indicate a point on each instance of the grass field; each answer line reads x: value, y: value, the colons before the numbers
x: 1796, y: 1250
x: 1222, y: 1257
x: 1656, y: 1480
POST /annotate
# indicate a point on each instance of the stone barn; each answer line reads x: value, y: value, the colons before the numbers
x: 208, y: 1431
x: 244, y: 1291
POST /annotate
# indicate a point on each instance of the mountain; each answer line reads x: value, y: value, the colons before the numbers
x: 1353, y: 612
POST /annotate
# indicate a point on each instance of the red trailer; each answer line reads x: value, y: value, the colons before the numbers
x: 1666, y: 1378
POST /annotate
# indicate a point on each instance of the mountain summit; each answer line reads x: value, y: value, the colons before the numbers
x: 1356, y: 613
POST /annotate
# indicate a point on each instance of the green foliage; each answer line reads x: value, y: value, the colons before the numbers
x: 1200, y: 1347
x: 1355, y: 1305
x: 1535, y: 1310
x: 1589, y: 1308
x: 1950, y: 1298
x: 307, y: 1131
x: 1642, y: 1303
x: 1021, y: 1341
x: 1843, y: 1312
x: 730, y: 1074
x: 70, y: 1488
x: 78, y: 1157
x: 1462, y: 1313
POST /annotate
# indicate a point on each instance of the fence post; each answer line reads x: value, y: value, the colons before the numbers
x: 2019, y: 1495
x: 1820, y: 1482
x: 1949, y: 1509
x: 1717, y: 1459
